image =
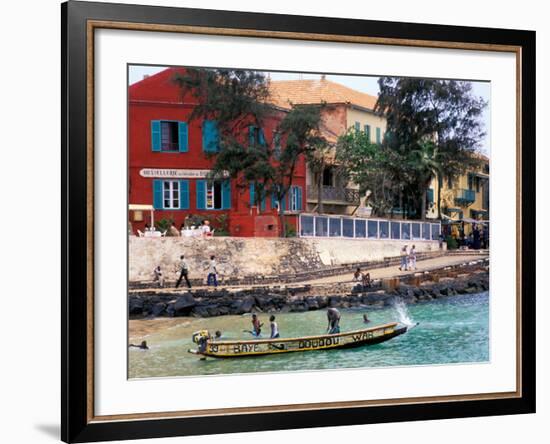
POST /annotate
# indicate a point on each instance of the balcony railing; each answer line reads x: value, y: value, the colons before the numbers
x: 334, y: 194
x: 465, y: 196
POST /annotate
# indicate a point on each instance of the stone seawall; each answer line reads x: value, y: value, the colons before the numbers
x: 239, y: 258
x: 467, y: 279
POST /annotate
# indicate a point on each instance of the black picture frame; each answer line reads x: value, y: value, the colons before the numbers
x: 76, y: 423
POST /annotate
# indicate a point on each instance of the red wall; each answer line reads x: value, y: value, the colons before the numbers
x: 158, y: 98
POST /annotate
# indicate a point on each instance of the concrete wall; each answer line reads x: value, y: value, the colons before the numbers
x: 255, y: 256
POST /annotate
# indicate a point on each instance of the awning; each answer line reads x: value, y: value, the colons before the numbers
x: 141, y: 207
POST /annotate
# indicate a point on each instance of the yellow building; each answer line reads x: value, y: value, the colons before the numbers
x: 465, y: 198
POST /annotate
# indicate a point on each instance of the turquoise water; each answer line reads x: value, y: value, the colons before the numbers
x: 451, y: 330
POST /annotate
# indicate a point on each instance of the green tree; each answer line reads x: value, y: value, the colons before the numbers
x: 237, y: 100
x: 434, y: 129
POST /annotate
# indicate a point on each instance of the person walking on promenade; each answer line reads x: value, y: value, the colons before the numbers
x: 412, y: 258
x: 404, y: 258
x: 184, y: 272
x: 158, y: 276
x: 212, y: 278
x: 274, y: 327
x: 333, y: 316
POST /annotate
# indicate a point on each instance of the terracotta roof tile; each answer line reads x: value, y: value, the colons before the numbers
x: 285, y: 92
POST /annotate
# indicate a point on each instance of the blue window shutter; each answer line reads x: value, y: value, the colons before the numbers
x: 261, y: 137
x: 183, y: 137
x: 155, y: 135
x: 273, y: 201
x: 299, y: 199
x: 157, y: 194
x: 367, y: 131
x: 226, y: 195
x: 251, y: 138
x: 184, y: 194
x: 262, y: 203
x: 252, y: 194
x: 201, y: 194
x: 210, y: 136
x: 378, y: 135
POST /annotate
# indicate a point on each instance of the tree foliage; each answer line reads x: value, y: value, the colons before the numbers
x: 434, y: 129
x: 237, y: 99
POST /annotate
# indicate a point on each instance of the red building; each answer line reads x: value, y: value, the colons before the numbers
x: 170, y: 157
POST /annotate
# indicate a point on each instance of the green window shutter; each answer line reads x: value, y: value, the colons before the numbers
x: 155, y: 135
x: 357, y: 126
x: 183, y: 137
x: 378, y: 135
x: 184, y: 194
x: 430, y: 195
x: 210, y: 136
x: 252, y: 195
x: 226, y: 195
x: 367, y: 131
x: 201, y: 195
x: 157, y: 194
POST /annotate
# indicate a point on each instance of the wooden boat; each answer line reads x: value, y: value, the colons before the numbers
x: 261, y: 347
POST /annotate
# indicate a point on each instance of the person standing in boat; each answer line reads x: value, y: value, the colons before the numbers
x: 333, y: 316
x: 274, y: 327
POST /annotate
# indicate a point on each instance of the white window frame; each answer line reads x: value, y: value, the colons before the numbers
x: 210, y: 186
x: 173, y: 187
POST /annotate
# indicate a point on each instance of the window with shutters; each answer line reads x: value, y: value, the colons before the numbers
x: 357, y: 126
x: 367, y: 132
x: 214, y: 196
x: 256, y: 136
x: 171, y: 194
x: 295, y: 198
x: 169, y: 136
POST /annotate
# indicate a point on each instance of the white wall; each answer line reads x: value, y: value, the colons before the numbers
x: 29, y: 91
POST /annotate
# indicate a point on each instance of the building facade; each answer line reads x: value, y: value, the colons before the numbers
x: 343, y: 108
x: 170, y: 157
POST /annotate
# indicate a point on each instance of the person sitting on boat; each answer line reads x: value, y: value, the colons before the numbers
x: 217, y: 335
x: 274, y: 327
x: 333, y: 316
x: 142, y: 346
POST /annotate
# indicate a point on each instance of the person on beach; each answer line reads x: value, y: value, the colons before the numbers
x: 333, y: 316
x: 404, y: 259
x: 142, y: 346
x: 184, y: 272
x: 366, y: 319
x: 412, y: 258
x: 357, y: 276
x: 274, y: 327
x: 212, y: 278
x: 158, y: 276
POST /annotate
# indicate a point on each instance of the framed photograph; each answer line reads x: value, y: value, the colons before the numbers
x: 276, y: 221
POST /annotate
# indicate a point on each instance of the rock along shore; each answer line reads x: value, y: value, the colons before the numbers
x: 465, y: 279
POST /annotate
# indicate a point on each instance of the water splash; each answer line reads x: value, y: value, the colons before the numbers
x: 402, y: 313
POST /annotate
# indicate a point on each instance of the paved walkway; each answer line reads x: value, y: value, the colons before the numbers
x: 375, y: 273
x: 380, y: 273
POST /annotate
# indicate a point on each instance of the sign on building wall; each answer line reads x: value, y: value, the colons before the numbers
x: 160, y: 173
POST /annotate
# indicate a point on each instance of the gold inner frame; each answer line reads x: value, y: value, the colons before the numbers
x: 92, y: 25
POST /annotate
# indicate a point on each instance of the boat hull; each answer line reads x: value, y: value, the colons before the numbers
x: 263, y: 347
